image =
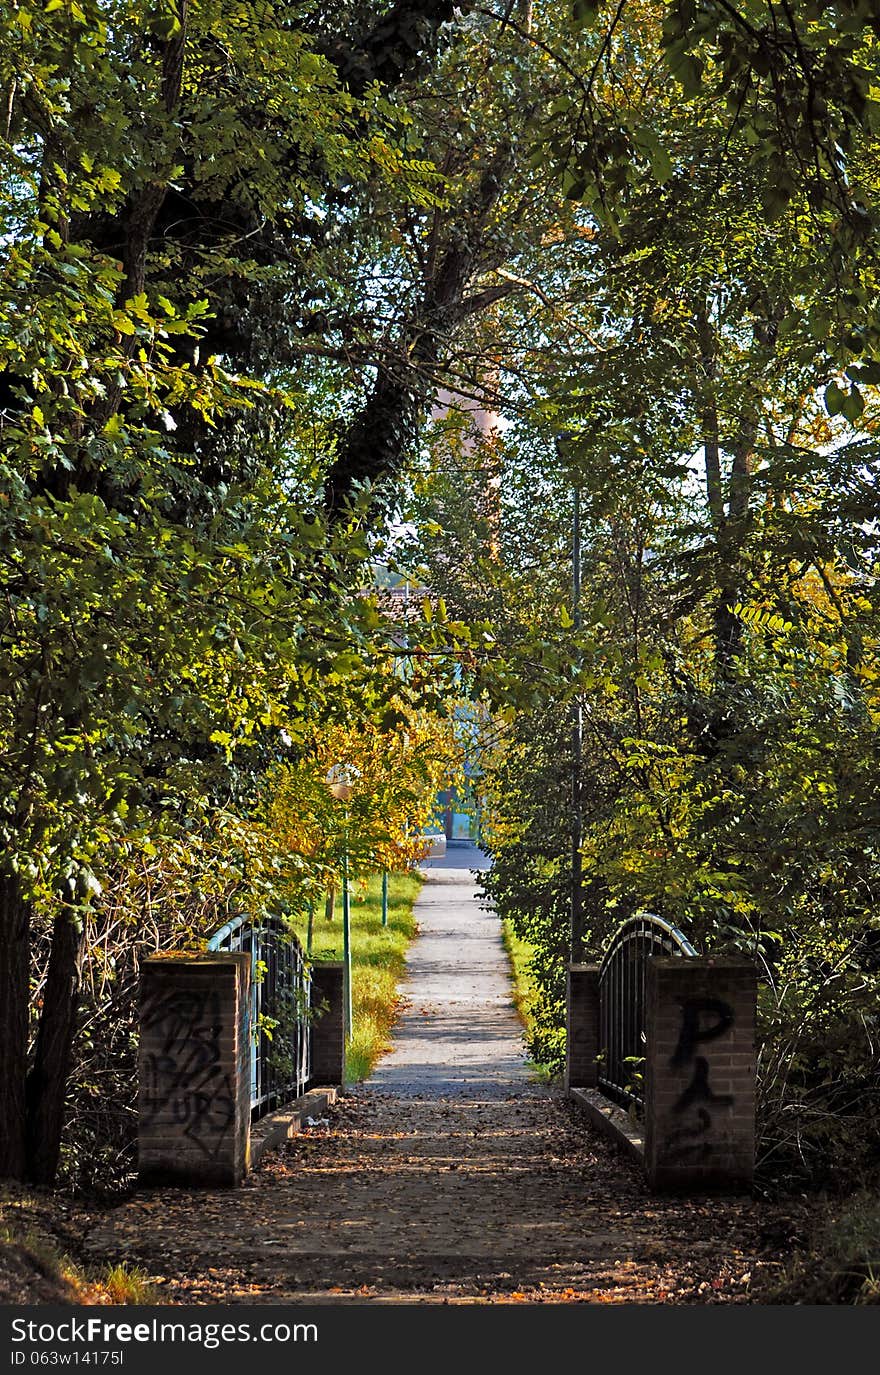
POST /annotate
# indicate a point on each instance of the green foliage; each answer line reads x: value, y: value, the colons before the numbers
x: 153, y: 618
x: 723, y: 655
x: 838, y: 1261
x: 528, y: 1000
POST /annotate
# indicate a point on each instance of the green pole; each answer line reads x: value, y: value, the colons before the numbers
x: 346, y: 937
x: 384, y: 897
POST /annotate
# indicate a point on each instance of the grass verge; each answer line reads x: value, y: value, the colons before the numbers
x: 35, y: 1269
x: 840, y: 1263
x: 378, y: 955
x: 525, y: 992
x: 519, y: 952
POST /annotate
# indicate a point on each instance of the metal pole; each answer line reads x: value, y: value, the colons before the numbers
x: 310, y: 929
x: 384, y: 897
x: 346, y: 931
x: 577, y: 923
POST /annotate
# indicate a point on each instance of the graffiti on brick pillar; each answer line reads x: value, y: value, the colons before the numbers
x: 183, y: 1078
x: 702, y: 1020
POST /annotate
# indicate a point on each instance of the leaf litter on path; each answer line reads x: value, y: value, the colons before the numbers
x: 447, y: 1200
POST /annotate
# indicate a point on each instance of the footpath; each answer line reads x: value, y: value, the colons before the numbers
x: 451, y: 1176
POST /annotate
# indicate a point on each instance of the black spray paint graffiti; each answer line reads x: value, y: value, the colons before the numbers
x: 702, y: 1020
x: 182, y: 1077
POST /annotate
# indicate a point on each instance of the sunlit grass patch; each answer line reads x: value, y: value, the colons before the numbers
x: 378, y: 956
x: 33, y: 1258
x: 525, y: 990
x: 127, y: 1284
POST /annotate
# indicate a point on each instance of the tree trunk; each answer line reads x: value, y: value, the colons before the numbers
x: 15, y: 923
x: 373, y: 446
x: 47, y: 1080
x: 731, y: 541
x: 728, y: 628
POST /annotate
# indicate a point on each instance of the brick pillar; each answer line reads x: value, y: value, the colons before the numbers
x: 328, y: 1026
x: 582, y: 1027
x: 700, y: 1073
x: 194, y: 1069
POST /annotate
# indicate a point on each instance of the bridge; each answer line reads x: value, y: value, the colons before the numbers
x: 454, y: 1173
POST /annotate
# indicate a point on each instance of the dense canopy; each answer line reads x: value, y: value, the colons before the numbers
x: 244, y: 249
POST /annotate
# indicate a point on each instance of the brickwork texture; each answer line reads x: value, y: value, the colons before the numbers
x: 582, y: 1027
x: 194, y: 1069
x: 700, y: 1073
x: 328, y: 1026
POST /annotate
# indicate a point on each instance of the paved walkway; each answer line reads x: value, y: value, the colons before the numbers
x: 450, y: 1177
x: 459, y: 1036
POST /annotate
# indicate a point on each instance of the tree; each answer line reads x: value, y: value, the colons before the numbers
x: 157, y: 582
x: 722, y: 441
x: 396, y: 774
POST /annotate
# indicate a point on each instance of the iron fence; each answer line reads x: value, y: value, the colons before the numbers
x: 280, y: 1002
x: 623, y: 977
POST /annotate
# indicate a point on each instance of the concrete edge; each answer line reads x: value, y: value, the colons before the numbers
x: 613, y: 1121
x: 277, y: 1127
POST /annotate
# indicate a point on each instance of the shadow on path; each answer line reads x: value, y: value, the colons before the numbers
x: 450, y: 1177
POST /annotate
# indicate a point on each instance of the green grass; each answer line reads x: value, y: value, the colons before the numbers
x: 128, y: 1284
x: 27, y: 1246
x: 840, y: 1261
x: 377, y: 961
x: 525, y: 992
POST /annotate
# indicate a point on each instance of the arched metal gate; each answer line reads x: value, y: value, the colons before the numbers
x: 280, y: 1005
x: 623, y: 977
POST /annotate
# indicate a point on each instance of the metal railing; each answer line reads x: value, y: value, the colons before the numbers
x: 623, y: 977
x: 281, y: 1040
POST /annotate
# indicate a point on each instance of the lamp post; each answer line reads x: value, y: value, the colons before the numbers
x: 339, y: 781
x: 576, y: 718
x: 577, y: 745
